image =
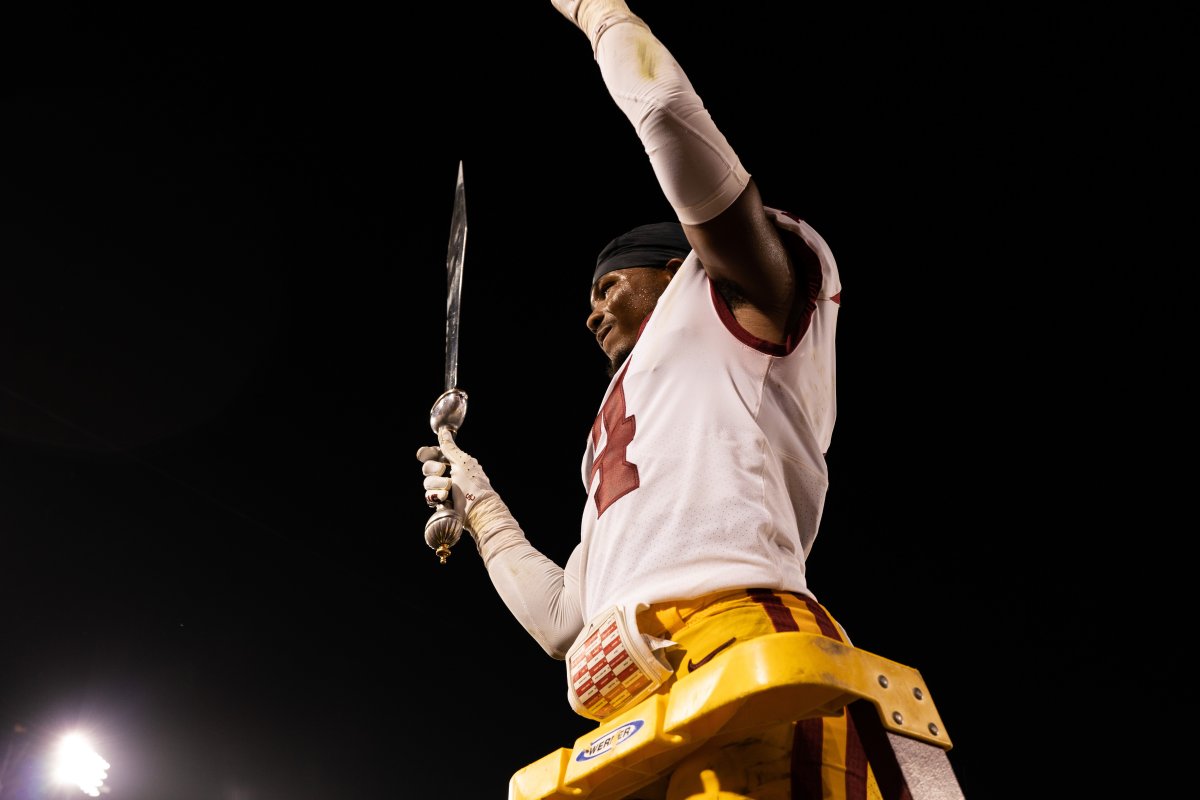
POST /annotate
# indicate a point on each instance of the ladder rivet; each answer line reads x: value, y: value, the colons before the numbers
x: 933, y: 728
x: 898, y: 718
x: 918, y: 694
x: 883, y: 681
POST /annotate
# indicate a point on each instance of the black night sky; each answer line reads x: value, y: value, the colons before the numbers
x: 222, y: 324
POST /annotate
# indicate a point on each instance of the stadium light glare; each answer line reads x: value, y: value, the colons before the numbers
x: 78, y: 764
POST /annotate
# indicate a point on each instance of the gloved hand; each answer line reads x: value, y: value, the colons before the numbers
x: 542, y: 596
x: 594, y: 17
x: 465, y: 485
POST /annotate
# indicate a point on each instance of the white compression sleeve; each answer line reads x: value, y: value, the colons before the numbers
x: 697, y: 169
x: 542, y: 596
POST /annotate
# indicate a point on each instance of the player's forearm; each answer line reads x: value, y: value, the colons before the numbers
x: 536, y: 590
x: 696, y: 167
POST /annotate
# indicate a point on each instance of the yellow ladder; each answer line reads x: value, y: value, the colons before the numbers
x: 770, y: 679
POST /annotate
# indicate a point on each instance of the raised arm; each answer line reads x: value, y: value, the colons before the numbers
x: 713, y: 195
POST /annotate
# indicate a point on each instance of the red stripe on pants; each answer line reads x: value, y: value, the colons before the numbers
x: 807, y: 746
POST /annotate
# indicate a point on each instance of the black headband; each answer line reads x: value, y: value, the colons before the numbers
x: 650, y: 245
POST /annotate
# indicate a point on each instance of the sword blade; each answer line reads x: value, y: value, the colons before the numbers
x: 454, y: 269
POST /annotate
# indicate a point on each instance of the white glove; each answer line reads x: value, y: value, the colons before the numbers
x: 465, y: 485
x: 594, y: 17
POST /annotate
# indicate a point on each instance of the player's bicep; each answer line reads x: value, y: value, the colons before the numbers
x: 741, y: 251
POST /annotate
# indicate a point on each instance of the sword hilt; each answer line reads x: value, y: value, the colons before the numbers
x: 445, y: 527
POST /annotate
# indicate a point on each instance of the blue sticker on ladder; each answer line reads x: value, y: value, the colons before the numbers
x: 610, y: 740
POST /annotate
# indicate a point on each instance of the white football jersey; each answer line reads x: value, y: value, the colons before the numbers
x: 705, y: 467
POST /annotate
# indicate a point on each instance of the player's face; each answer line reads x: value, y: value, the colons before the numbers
x: 621, y: 300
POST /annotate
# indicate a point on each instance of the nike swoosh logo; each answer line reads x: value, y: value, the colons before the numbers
x: 697, y: 665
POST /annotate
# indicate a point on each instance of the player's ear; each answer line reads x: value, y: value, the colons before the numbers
x: 673, y: 266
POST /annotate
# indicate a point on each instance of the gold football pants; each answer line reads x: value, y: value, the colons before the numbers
x: 822, y: 758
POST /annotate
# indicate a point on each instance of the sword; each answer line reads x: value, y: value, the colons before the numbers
x: 444, y: 528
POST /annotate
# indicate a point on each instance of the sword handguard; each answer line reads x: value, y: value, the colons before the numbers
x: 448, y: 411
